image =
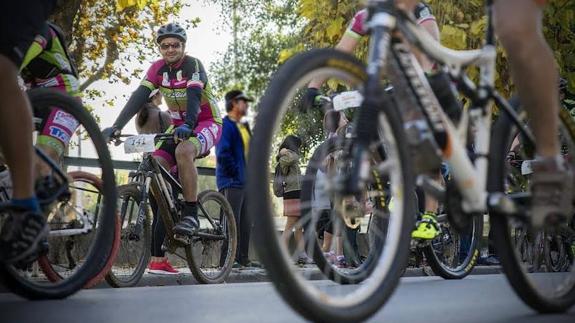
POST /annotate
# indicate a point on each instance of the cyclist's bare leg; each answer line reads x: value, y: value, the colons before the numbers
x: 535, y: 75
x: 532, y: 67
x: 16, y: 131
x: 26, y: 227
x: 186, y: 154
x: 163, y: 162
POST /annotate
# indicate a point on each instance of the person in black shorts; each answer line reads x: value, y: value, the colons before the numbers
x: 25, y: 226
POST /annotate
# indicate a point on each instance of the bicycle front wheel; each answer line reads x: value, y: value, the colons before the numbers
x: 135, y: 238
x: 213, y: 250
x: 286, y: 259
x: 89, y: 255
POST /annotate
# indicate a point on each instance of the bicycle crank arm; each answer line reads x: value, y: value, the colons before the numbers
x: 209, y: 236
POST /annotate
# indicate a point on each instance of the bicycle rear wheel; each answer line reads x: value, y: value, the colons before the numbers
x: 454, y: 253
x: 325, y: 301
x: 211, y: 258
x: 134, y: 251
x: 55, y: 265
x: 98, y: 245
x: 521, y: 249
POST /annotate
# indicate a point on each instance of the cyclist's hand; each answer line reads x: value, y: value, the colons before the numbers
x: 111, y: 133
x: 183, y: 132
x: 311, y: 99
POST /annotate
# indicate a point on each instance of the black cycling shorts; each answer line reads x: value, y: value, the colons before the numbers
x: 20, y: 22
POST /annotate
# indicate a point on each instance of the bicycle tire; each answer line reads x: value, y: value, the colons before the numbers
x: 50, y: 272
x: 99, y: 253
x: 503, y: 131
x: 132, y: 191
x: 196, y: 266
x: 463, y: 269
x: 271, y: 251
x: 346, y: 276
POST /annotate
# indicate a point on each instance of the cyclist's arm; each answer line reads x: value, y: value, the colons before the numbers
x: 139, y: 97
x: 38, y: 46
x: 136, y: 101
x: 433, y: 30
x: 195, y: 87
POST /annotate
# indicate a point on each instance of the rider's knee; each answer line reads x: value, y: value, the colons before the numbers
x: 186, y: 151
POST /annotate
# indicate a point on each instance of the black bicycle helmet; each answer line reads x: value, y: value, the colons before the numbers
x: 171, y: 30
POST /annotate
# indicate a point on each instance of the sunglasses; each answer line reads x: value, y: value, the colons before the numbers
x: 167, y: 46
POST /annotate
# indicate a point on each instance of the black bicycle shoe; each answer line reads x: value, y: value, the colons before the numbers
x: 189, y: 223
x: 22, y: 232
x: 552, y: 192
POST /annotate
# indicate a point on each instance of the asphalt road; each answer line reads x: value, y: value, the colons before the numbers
x: 480, y: 298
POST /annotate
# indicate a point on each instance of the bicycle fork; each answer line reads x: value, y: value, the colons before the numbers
x: 367, y: 120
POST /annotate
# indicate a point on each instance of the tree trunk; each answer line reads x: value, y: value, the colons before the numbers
x: 64, y: 16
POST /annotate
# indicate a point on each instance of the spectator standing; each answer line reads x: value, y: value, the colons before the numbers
x: 288, y: 159
x: 232, y: 154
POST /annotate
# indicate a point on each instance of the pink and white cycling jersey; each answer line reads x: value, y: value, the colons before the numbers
x: 173, y: 80
x: 357, y: 28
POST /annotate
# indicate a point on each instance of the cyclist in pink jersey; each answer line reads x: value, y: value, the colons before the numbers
x: 196, y: 121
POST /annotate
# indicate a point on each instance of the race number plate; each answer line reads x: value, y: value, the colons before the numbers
x: 139, y: 144
x: 347, y: 100
x: 526, y: 167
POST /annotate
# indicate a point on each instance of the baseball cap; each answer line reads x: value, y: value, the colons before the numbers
x: 237, y: 95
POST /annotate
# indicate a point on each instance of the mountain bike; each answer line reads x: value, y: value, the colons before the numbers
x: 452, y: 255
x: 209, y: 253
x: 67, y: 214
x: 381, y: 130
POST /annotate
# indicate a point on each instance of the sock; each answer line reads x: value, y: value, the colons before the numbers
x: 29, y: 203
x: 191, y: 209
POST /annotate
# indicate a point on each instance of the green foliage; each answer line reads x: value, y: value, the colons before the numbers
x: 104, y: 40
x: 261, y: 30
x: 559, y: 29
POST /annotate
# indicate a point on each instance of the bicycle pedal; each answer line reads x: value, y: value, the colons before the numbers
x: 183, y: 239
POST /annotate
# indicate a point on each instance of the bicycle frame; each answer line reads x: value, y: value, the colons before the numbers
x: 470, y: 177
x: 159, y: 180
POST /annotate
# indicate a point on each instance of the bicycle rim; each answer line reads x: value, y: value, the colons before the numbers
x: 522, y: 250
x: 211, y: 259
x: 29, y: 282
x: 323, y: 300
x: 135, y: 239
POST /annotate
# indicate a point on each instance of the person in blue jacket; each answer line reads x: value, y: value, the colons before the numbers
x: 232, y: 154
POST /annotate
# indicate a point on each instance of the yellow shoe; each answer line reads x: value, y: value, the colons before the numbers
x: 427, y: 227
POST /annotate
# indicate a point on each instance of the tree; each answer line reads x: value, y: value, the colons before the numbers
x: 263, y: 31
x: 103, y: 40
x: 462, y: 24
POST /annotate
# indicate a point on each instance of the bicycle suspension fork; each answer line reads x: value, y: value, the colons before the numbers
x: 366, y: 123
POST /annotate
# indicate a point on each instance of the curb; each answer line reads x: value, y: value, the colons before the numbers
x: 254, y: 275
x: 260, y: 275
